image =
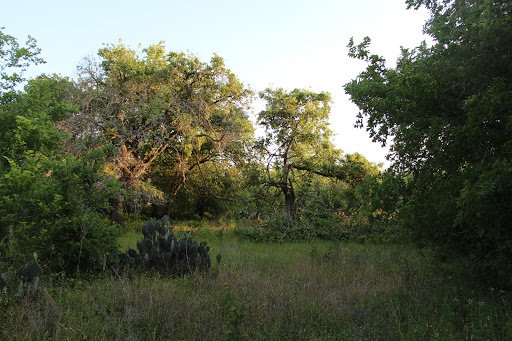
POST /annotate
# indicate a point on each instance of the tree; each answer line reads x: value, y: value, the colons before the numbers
x: 296, y: 132
x: 447, y: 109
x: 153, y: 106
x: 14, y: 60
x: 51, y: 203
x: 30, y: 122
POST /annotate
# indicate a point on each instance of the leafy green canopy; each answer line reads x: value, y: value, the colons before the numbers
x: 144, y: 104
x: 53, y: 206
x: 29, y: 121
x: 25, y: 121
x: 51, y: 203
x: 14, y: 60
x: 296, y: 130
x: 295, y: 150
x: 446, y: 109
x: 297, y: 120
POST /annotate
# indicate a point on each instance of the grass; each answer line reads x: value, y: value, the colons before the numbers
x: 260, y: 291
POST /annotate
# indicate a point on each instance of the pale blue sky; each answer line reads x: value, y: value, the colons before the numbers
x: 288, y: 43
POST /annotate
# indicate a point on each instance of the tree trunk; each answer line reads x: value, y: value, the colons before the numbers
x: 172, y: 196
x: 289, y: 197
x: 287, y: 189
x: 116, y: 215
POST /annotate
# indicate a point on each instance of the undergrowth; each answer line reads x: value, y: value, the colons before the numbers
x: 317, y: 290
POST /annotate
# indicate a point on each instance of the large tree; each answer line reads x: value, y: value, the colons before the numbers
x: 446, y: 110
x: 150, y: 104
x: 298, y: 140
x: 296, y: 126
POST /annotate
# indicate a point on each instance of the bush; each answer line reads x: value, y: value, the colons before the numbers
x: 56, y: 206
x: 310, y: 228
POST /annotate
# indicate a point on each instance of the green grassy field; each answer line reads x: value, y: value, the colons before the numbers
x: 260, y: 291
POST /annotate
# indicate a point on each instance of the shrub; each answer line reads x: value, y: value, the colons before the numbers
x: 55, y: 206
x: 309, y: 227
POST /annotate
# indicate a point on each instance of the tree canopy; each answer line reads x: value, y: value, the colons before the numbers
x: 14, y: 60
x: 51, y: 203
x: 445, y: 109
x: 296, y: 130
x: 146, y: 103
x: 298, y: 139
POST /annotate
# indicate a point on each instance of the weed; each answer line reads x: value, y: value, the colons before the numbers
x: 314, y: 290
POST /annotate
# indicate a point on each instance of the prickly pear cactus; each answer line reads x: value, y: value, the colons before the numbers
x: 159, y: 249
x: 26, y: 279
x: 29, y: 272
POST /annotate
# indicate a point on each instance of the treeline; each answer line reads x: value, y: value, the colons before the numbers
x: 163, y: 133
x: 157, y: 133
x: 445, y: 111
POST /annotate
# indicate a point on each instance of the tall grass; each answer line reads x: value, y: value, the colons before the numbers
x: 297, y: 291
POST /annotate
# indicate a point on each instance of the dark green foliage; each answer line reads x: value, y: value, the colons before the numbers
x: 194, y: 201
x: 29, y: 119
x: 378, y: 216
x: 25, y: 282
x: 29, y: 271
x: 447, y: 110
x: 484, y: 216
x: 326, y: 206
x: 278, y: 230
x: 55, y: 206
x: 161, y: 250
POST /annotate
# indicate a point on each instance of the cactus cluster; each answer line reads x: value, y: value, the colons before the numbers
x: 28, y: 276
x: 162, y: 251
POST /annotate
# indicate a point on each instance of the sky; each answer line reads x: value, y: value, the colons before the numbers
x: 280, y: 43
